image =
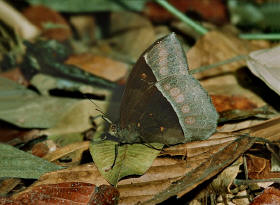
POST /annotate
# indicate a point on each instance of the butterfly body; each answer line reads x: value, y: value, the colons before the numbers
x: 162, y: 102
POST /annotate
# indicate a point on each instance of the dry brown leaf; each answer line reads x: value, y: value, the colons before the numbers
x: 224, y: 103
x: 259, y: 168
x: 98, y: 65
x: 40, y: 15
x: 270, y: 196
x: 77, y: 146
x: 197, y: 148
x: 214, y: 10
x: 161, y: 174
x: 217, y: 46
x: 228, y: 85
x: 221, y: 184
x: 15, y: 75
x: 86, y: 173
x: 132, y: 32
x: 85, y: 26
x: 8, y: 185
x: 40, y: 149
x: 66, y: 193
x: 204, y: 171
x: 269, y: 129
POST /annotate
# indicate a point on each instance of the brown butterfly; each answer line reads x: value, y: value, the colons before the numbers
x: 162, y: 102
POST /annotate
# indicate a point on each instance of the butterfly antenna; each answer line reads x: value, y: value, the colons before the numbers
x: 99, y: 110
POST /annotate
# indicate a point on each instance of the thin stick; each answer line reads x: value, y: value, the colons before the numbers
x: 203, y: 68
x: 197, y: 27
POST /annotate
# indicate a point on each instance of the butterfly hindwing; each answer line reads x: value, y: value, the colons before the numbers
x: 196, y: 114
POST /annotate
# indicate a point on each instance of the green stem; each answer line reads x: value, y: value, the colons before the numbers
x: 203, y: 68
x: 260, y: 36
x: 197, y: 27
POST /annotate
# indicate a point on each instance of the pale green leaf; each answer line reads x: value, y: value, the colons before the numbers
x: 25, y: 108
x: 131, y: 159
x: 20, y: 164
x: 77, y: 118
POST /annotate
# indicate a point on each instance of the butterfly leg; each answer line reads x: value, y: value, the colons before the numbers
x: 116, y: 155
x: 151, y: 146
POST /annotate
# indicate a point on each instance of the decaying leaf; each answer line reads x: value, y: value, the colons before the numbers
x: 82, y: 111
x: 139, y: 34
x: 26, y: 108
x: 66, y: 193
x: 225, y: 103
x: 268, y: 129
x: 265, y: 65
x: 270, y: 195
x: 217, y: 46
x: 15, y: 75
x: 221, y: 184
x: 229, y: 88
x: 100, y: 66
x: 20, y: 164
x: 163, y: 172
x: 45, y: 83
x: 260, y: 168
x: 213, y: 11
x: 76, y: 149
x: 41, y: 16
x: 205, y: 170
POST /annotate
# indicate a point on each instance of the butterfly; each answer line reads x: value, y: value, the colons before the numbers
x: 162, y: 102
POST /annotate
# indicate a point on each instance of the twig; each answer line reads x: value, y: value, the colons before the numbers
x: 203, y: 68
x: 13, y: 18
x: 197, y: 27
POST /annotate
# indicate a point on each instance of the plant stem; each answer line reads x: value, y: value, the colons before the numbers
x: 203, y: 68
x: 260, y: 36
x: 197, y: 27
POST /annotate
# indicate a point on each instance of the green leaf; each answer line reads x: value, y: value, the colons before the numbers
x: 20, y: 164
x: 131, y: 159
x: 77, y: 118
x: 91, y: 5
x: 25, y: 108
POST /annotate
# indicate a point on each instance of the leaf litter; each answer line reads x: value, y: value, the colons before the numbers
x: 211, y: 167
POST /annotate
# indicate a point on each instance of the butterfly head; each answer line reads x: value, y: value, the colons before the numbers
x: 127, y: 135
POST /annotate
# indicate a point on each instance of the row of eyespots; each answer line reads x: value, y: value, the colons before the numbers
x: 179, y: 98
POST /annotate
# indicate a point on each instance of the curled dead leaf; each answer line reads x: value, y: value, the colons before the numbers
x: 98, y: 65
x: 41, y: 16
x: 66, y: 193
x: 216, y: 46
x: 225, y: 103
x: 270, y: 195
